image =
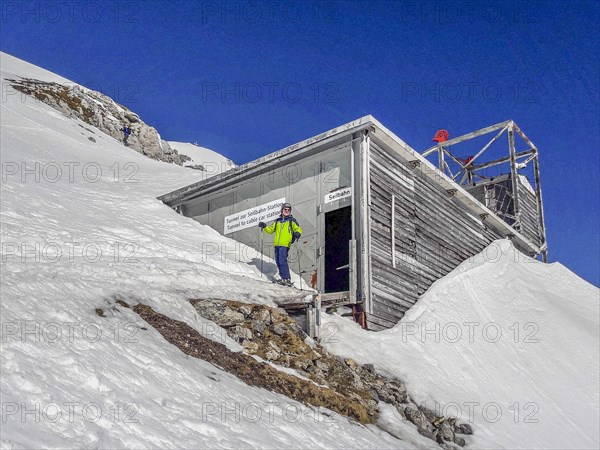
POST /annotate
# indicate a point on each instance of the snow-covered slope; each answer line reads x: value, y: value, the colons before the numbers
x: 505, y: 342
x: 12, y: 66
x: 213, y: 163
x: 80, y: 225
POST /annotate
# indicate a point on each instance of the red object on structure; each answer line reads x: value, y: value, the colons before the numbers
x: 440, y: 136
x: 359, y: 316
x: 466, y: 161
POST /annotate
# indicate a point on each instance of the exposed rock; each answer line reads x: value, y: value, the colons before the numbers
x: 218, y: 312
x: 245, y: 310
x: 250, y: 371
x: 257, y: 326
x: 242, y: 333
x: 278, y: 328
x: 463, y: 428
x: 370, y: 369
x: 273, y: 346
x: 297, y: 330
x: 414, y: 415
x: 445, y: 431
x: 249, y: 346
x: 322, y: 366
x: 274, y: 352
x: 261, y: 314
x: 102, y: 112
x: 272, y: 355
x: 431, y: 417
x: 393, y: 392
x: 272, y: 334
x: 279, y: 315
x: 351, y: 363
x: 300, y: 364
x: 459, y: 441
x: 373, y: 393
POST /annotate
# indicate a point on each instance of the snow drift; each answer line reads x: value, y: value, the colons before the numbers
x: 504, y: 342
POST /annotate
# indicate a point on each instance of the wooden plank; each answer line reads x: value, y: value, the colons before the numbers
x: 376, y: 323
x: 394, y: 302
x: 439, y: 233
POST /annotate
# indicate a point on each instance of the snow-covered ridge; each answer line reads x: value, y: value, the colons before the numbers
x: 99, y: 110
x: 202, y: 158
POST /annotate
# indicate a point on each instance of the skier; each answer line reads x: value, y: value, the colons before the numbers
x: 287, y: 231
x: 126, y: 132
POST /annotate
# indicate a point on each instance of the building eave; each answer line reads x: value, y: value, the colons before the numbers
x: 379, y: 132
x: 181, y: 195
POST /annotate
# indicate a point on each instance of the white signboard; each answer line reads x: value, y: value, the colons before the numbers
x: 250, y: 217
x: 338, y: 194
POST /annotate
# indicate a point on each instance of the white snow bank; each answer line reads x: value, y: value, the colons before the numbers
x: 12, y: 66
x: 504, y: 342
x: 80, y: 225
x: 214, y: 163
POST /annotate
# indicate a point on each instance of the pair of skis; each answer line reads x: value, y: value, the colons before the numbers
x: 282, y: 283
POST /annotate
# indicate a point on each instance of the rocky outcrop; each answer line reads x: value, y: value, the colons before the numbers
x: 102, y: 112
x: 247, y: 369
x: 274, y: 336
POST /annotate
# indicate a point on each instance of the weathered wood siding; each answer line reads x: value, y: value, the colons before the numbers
x: 433, y: 234
x: 530, y: 219
x: 498, y: 196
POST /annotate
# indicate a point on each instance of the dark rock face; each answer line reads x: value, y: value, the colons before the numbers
x: 273, y: 335
x: 102, y: 112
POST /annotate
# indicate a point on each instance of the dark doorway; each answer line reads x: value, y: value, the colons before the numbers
x: 338, y: 233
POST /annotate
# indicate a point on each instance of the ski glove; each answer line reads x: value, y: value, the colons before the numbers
x: 295, y: 236
x: 262, y: 224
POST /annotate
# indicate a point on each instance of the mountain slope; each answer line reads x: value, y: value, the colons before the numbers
x: 81, y: 228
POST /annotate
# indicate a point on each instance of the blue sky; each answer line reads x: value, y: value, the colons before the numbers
x: 248, y: 78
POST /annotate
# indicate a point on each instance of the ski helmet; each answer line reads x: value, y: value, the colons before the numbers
x: 286, y: 205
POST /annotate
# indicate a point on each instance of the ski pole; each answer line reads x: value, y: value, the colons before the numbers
x: 261, y: 251
x: 299, y: 273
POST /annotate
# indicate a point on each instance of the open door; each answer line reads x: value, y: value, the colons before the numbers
x: 338, y: 233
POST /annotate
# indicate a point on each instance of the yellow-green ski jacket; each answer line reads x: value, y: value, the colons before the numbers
x: 284, y: 228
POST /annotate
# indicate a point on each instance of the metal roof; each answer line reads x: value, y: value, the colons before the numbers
x: 183, y: 194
